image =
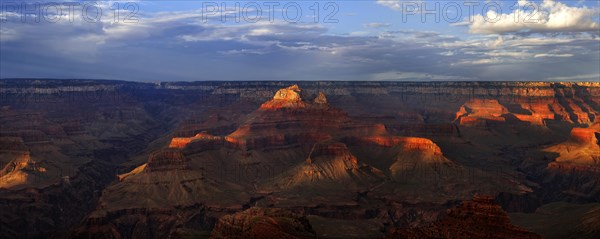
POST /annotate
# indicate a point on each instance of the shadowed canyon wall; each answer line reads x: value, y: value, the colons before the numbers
x: 118, y: 159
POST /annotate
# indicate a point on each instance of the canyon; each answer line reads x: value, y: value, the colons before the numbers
x: 118, y: 159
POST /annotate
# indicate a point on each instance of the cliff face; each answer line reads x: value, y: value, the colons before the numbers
x: 406, y: 143
x: 180, y: 155
x: 563, y: 102
x: 292, y: 147
x: 585, y: 136
x: 562, y: 220
x: 262, y: 223
x: 60, y: 143
x: 167, y: 159
x: 577, y: 166
x: 477, y: 218
x: 286, y: 121
x: 332, y: 162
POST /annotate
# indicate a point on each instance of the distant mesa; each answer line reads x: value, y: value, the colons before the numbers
x: 289, y: 94
x: 407, y: 143
x: 483, y: 108
x: 488, y: 112
x: 289, y: 98
x: 285, y: 98
x: 182, y: 142
x: 321, y: 98
x: 481, y: 112
x: 287, y: 121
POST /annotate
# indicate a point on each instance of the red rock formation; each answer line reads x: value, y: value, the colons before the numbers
x: 20, y: 170
x: 263, y: 223
x: 484, y: 107
x: 204, y: 144
x: 180, y: 142
x: 329, y: 166
x: 532, y: 119
x: 407, y: 143
x: 478, y: 218
x: 540, y: 109
x: 584, y: 135
x: 331, y: 149
x: 481, y: 112
x: 198, y: 139
x: 285, y: 98
x: 575, y: 172
x: 281, y: 138
x: 321, y: 99
x: 582, y: 149
x: 167, y: 159
x: 287, y: 121
x: 331, y: 161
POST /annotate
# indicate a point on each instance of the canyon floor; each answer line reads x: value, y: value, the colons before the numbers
x: 118, y: 159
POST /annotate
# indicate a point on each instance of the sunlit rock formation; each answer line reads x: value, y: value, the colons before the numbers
x: 321, y: 99
x: 20, y: 168
x: 582, y: 149
x: 477, y: 112
x: 285, y: 98
x: 406, y: 143
x: 576, y: 168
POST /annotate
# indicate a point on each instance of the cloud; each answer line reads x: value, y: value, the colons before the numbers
x: 415, y: 76
x: 393, y: 4
x: 377, y: 25
x: 552, y: 55
x: 587, y: 77
x: 531, y: 17
x: 170, y: 46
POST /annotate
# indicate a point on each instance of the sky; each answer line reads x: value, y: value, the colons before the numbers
x: 353, y: 40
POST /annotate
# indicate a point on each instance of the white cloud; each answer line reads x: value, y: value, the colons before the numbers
x: 8, y: 34
x: 548, y: 17
x: 393, y: 4
x: 409, y: 76
x: 484, y: 61
x: 377, y: 25
x: 244, y: 52
x: 552, y: 55
x: 172, y: 46
x: 587, y: 77
x: 514, y: 54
